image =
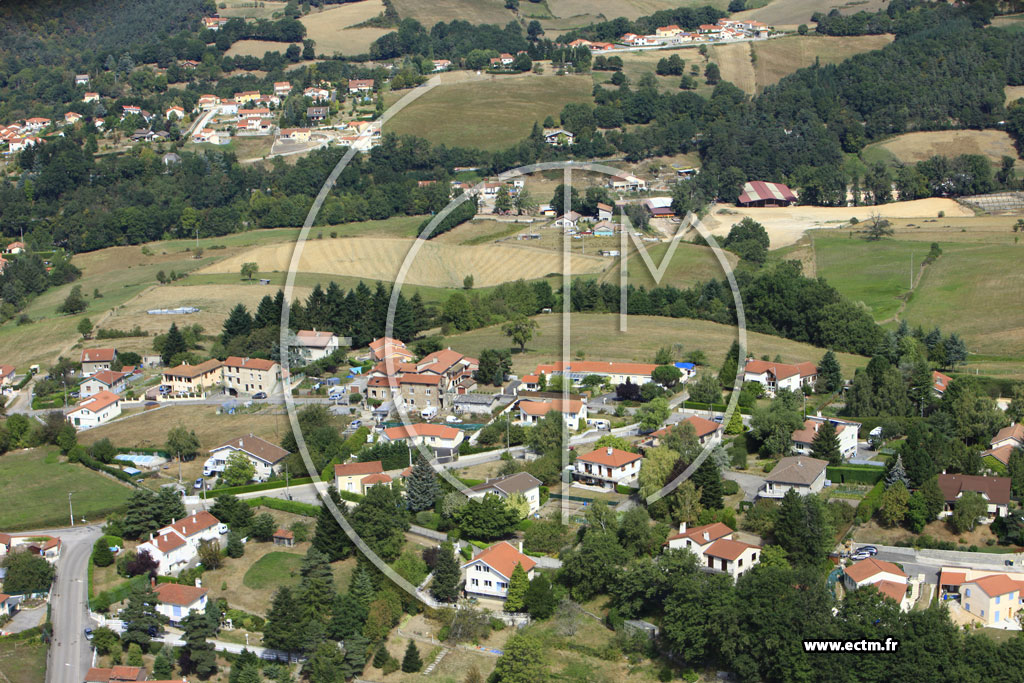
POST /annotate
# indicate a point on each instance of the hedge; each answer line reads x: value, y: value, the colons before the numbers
x: 729, y: 487
x: 94, y: 464
x: 350, y: 496
x: 293, y: 506
x: 717, y: 407
x: 867, y: 508
x: 265, y: 486
x: 854, y: 474
x: 119, y: 592
x: 625, y: 490
x: 470, y: 482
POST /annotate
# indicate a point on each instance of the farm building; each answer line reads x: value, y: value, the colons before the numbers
x: 760, y: 193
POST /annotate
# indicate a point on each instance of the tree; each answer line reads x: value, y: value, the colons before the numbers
x: 210, y: 554
x: 174, y: 343
x: 486, y: 518
x: 894, y: 504
x: 348, y: 617
x: 239, y: 470
x: 503, y: 202
x: 520, y: 330
x: 263, y: 527
x: 198, y: 655
x: 235, y: 548
x: 707, y: 389
x: 934, y: 499
x: 27, y: 573
x: 139, y: 615
x: 411, y: 662
x: 467, y: 282
x: 524, y: 202
x: 101, y: 553
x: 249, y: 269
x: 517, y: 586
x: 803, y: 528
x: 708, y: 480
x: 652, y: 414
x: 879, y: 227
x: 666, y: 375
x: 283, y: 628
x: 85, y: 327
x: 830, y: 375
x: 163, y: 669
x: 381, y: 521
x: 74, y: 303
x: 897, y: 473
x: 233, y: 512
x: 1015, y: 468
x: 540, y: 600
x: 422, y: 488
x: 445, y: 584
x: 329, y: 537
x: 522, y: 660
x: 592, y: 567
x: 735, y: 425
x: 494, y: 367
x: 237, y: 324
x: 825, y: 444
x: 326, y: 664
x: 969, y: 508
x: 712, y: 75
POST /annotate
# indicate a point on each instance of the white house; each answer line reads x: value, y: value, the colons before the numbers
x: 474, y: 404
x: 617, y: 373
x: 442, y: 439
x: 889, y: 579
x: 607, y: 467
x: 104, y: 380
x: 940, y: 383
x: 846, y: 431
x: 716, y: 549
x: 177, y: 601
x: 94, y: 360
x: 99, y: 409
x: 573, y: 411
x: 568, y: 220
x: 358, y: 477
x: 47, y: 547
x: 503, y: 487
x: 177, y: 544
x: 489, y: 573
x: 559, y: 136
x: 777, y: 376
x: 627, y: 183
x: 316, y: 344
x: 800, y: 473
x: 708, y: 431
x: 267, y: 458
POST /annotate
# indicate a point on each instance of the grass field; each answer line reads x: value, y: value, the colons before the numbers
x: 330, y: 28
x: 690, y: 264
x: 273, y: 570
x: 735, y: 65
x: 598, y: 337
x: 473, y: 11
x: 637, y: 64
x: 1013, y: 93
x: 782, y: 56
x: 249, y: 9
x: 914, y: 147
x: 489, y: 114
x: 256, y: 48
x: 790, y: 13
x: 34, y: 489
x: 436, y: 265
x: 22, y: 661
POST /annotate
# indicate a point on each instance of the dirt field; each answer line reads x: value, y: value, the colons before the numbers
x: 435, y: 264
x: 782, y: 56
x: 735, y: 65
x: 489, y: 113
x: 473, y: 11
x: 611, y: 9
x: 1013, y: 93
x: 256, y: 48
x: 330, y: 28
x: 914, y: 147
x: 791, y: 13
x: 245, y: 9
x: 785, y: 225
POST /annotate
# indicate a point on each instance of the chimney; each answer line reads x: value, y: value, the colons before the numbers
x: 152, y: 582
x: 682, y: 527
x: 151, y: 533
x: 610, y: 449
x: 520, y: 546
x: 199, y: 582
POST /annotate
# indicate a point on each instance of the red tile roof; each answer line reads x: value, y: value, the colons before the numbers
x: 165, y: 543
x: 97, y: 402
x: 249, y: 363
x: 98, y: 355
x: 503, y: 558
x: 728, y: 549
x: 940, y: 381
x: 780, y: 370
x: 420, y: 379
x: 1014, y: 431
x: 609, y: 457
x: 596, y: 367
x: 891, y: 589
x: 865, y: 569
x: 256, y: 447
x: 810, y: 428
x: 713, y: 532
x: 178, y: 594
x: 314, y: 338
x: 542, y: 408
x: 108, y: 377
x: 442, y: 361
x: 375, y: 478
x: 996, y: 489
x: 350, y: 469
x: 422, y: 429
x: 951, y: 578
x: 283, y: 533
x: 193, y: 371
x: 194, y: 523
x: 1002, y: 454
x: 997, y: 584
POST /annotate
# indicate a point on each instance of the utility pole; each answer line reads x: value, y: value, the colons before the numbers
x: 911, y: 271
x: 71, y: 510
x: 287, y: 491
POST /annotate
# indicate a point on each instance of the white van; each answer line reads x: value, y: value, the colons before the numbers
x: 598, y: 423
x: 428, y: 413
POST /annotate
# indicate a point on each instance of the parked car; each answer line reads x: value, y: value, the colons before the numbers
x: 857, y: 556
x: 869, y: 549
x: 88, y: 634
x: 222, y: 529
x: 260, y: 395
x: 452, y: 419
x: 355, y: 424
x: 718, y: 418
x: 198, y: 484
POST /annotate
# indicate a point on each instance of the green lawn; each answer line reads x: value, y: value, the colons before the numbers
x: 22, y: 661
x: 489, y: 114
x: 274, y: 570
x: 690, y: 264
x: 34, y: 488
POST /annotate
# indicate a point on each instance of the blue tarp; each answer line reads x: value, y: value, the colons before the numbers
x: 685, y: 366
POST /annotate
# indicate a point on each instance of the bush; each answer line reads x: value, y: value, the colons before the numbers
x: 729, y: 487
x: 769, y: 466
x: 867, y: 508
x: 624, y: 490
x: 854, y: 474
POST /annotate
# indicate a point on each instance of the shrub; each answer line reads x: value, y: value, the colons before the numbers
x: 867, y: 508
x: 729, y: 487
x: 769, y: 466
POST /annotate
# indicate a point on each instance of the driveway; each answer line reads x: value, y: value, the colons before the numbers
x: 26, y: 619
x: 749, y: 483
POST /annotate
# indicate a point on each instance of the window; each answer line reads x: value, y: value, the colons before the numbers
x: 997, y: 602
x: 502, y: 585
x: 967, y: 607
x: 488, y: 584
x: 967, y: 593
x: 997, y: 615
x: 474, y: 582
x: 740, y: 564
x: 982, y: 612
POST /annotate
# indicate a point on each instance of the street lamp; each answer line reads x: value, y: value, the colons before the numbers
x: 71, y: 510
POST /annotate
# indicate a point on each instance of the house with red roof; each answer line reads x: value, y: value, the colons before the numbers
x: 71, y: 118
x: 776, y: 376
x: 715, y: 547
x: 177, y: 601
x: 6, y: 375
x: 48, y: 547
x: 104, y: 380
x: 100, y: 408
x: 421, y: 391
x: 37, y: 123
x: 384, y: 348
x: 995, y: 491
x: 708, y: 431
x: 616, y: 372
x: 316, y: 344
x: 14, y: 248
x: 282, y: 88
x: 761, y: 193
x: 360, y: 85
x: 886, y: 577
x: 443, y: 440
x: 250, y: 375
x: 176, y: 546
x: 214, y: 23
x: 522, y: 483
x: 940, y: 382
x: 994, y: 599
x: 267, y: 458
x: 574, y: 411
x: 358, y: 477
x: 115, y: 674
x: 846, y: 431
x: 800, y: 473
x: 1004, y: 443
x: 91, y: 97
x: 94, y: 360
x: 489, y: 572
x: 607, y: 467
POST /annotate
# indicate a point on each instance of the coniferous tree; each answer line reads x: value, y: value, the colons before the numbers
x: 825, y: 444
x: 355, y: 656
x: 174, y: 343
x: 198, y: 655
x: 238, y: 324
x: 422, y: 487
x: 830, y: 375
x: 315, y: 596
x: 411, y: 662
x: 730, y: 366
x: 163, y: 669
x: 445, y: 585
x: 267, y: 314
x: 140, y: 616
x: 361, y: 587
x: 540, y: 600
x: 897, y: 473
x: 142, y: 516
x: 283, y: 629
x: 382, y: 656
x: 517, y: 586
x: 708, y: 479
x: 348, y: 616
x: 330, y: 538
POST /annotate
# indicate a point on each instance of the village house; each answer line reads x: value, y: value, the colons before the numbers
x: 247, y: 96
x: 227, y: 108
x: 777, y: 376
x: 994, y: 600
x: 250, y: 375
x: 449, y: 364
x: 91, y: 97
x: 940, y: 382
x: 14, y: 248
x: 522, y: 483
x: 316, y: 344
x: 317, y: 94
x: 627, y: 183
x: 37, y: 123
x: 71, y: 118
x: 360, y: 85
x: 421, y: 391
x: 995, y: 491
x: 574, y: 412
x: 118, y: 673
x: 442, y: 64
x: 104, y: 380
x: 282, y: 88
x: 607, y: 467
x: 210, y: 136
x: 472, y: 403
x: 708, y: 431
x: 101, y: 408
x: 615, y: 372
x: 1004, y: 443
x: 175, y: 111
x: 715, y: 548
x: 47, y: 547
x: 284, y: 537
x: 295, y: 134
x: 568, y: 220
x: 604, y: 212
x: 214, y: 23
x: 799, y: 473
x: 889, y: 579
x: 176, y: 545
x: 358, y: 477
x: 382, y: 388
x: 177, y: 601
x: 257, y: 112
x: 6, y: 375
x: 194, y: 379
x: 267, y: 458
x: 208, y: 101
x: 317, y: 113
x: 443, y: 440
x: 558, y: 136
x: 846, y: 431
x: 82, y: 79
x: 489, y: 572
x: 666, y: 31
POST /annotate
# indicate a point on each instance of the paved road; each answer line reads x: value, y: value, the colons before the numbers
x: 749, y: 483
x: 69, y: 656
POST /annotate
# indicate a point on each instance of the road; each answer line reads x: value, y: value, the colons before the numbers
x: 749, y: 483
x: 69, y: 656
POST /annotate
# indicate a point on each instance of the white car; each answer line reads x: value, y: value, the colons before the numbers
x: 222, y: 529
x: 452, y: 419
